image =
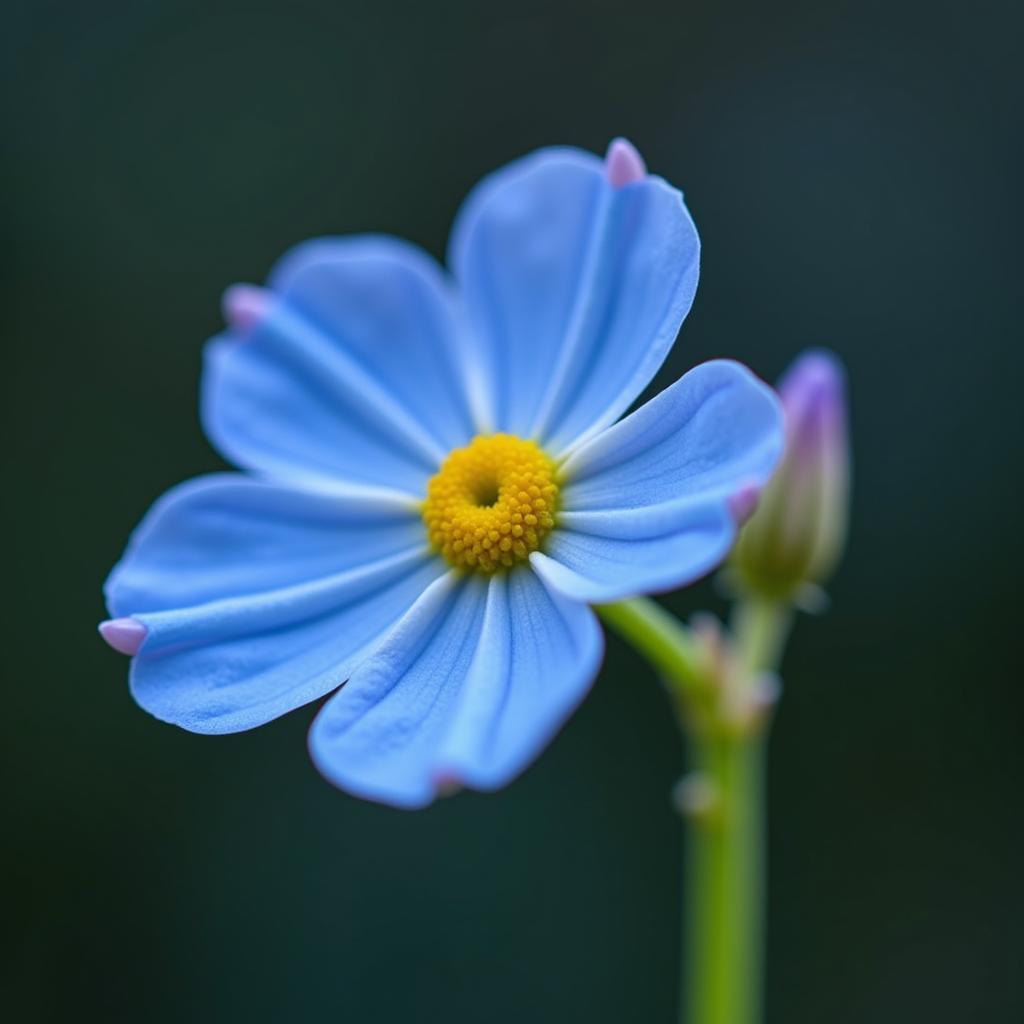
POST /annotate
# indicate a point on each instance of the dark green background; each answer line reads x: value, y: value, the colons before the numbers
x: 855, y: 171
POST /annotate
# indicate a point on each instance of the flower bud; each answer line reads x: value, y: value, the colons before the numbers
x: 795, y: 537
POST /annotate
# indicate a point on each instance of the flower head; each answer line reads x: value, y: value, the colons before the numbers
x: 439, y: 485
x: 796, y: 536
x: 492, y: 503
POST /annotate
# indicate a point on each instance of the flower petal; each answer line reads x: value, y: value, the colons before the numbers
x: 536, y: 658
x: 377, y: 736
x: 574, y: 290
x: 648, y: 503
x: 468, y: 688
x: 352, y: 373
x: 258, y: 597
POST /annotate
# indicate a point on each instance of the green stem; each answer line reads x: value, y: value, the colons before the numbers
x: 761, y: 627
x: 725, y: 864
x: 659, y: 636
x: 724, y: 884
x: 724, y: 888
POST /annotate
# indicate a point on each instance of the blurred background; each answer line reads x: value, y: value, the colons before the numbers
x: 854, y: 169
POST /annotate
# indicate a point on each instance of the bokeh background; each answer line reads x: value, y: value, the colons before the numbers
x: 855, y: 172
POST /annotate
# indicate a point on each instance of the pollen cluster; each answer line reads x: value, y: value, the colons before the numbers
x: 491, y: 503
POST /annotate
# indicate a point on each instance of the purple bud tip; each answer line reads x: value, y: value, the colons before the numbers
x: 624, y: 164
x: 818, y: 371
x: 124, y: 635
x: 743, y: 502
x: 245, y: 305
x: 813, y: 395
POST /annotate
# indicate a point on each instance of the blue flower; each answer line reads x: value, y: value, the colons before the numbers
x: 438, y: 482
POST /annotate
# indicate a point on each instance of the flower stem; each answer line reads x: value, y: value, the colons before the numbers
x: 722, y: 715
x: 723, y: 887
x: 761, y: 627
x: 725, y: 864
x: 658, y: 635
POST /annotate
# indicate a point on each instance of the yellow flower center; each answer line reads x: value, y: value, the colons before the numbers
x: 491, y: 503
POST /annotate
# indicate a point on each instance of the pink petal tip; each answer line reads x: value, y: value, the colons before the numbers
x: 124, y: 635
x: 245, y: 305
x: 624, y: 164
x: 743, y: 502
x: 446, y: 782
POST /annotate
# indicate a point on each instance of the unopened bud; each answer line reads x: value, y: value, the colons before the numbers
x: 795, y: 537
